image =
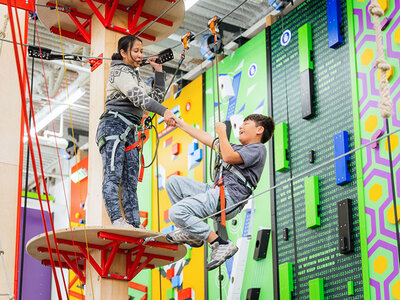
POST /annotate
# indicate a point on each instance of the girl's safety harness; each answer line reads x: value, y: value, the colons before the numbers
x: 123, y: 138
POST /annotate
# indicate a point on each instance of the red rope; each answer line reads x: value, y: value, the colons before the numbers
x: 58, y: 154
x: 40, y: 154
x: 20, y: 170
x: 24, y: 111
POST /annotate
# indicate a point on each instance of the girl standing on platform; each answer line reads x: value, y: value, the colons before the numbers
x: 127, y: 98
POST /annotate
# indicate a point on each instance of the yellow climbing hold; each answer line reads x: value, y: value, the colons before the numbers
x: 367, y: 57
x: 390, y: 214
x: 394, y: 142
x: 380, y: 264
x: 371, y: 123
x: 389, y: 74
x: 375, y: 192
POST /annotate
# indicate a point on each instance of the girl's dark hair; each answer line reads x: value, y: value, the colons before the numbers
x: 125, y: 43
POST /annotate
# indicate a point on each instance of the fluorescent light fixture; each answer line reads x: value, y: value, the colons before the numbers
x: 190, y: 3
x: 75, y: 96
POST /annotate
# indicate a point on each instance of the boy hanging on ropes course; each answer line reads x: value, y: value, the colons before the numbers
x: 241, y: 170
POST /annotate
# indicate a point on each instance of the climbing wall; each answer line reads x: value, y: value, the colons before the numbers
x: 312, y: 107
x: 178, y: 154
x: 382, y: 253
x: 242, y: 78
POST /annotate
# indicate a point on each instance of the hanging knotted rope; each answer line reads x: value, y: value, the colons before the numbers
x: 385, y: 104
x: 3, y: 28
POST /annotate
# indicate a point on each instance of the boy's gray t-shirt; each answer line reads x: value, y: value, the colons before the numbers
x: 253, y: 156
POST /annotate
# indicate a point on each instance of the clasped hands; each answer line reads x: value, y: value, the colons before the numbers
x: 170, y: 119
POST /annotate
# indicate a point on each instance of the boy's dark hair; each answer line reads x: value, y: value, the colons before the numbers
x: 264, y: 121
x: 125, y: 43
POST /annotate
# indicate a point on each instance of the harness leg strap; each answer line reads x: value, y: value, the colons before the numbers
x: 113, y: 154
x: 220, y: 183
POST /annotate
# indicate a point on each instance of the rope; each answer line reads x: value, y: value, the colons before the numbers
x: 276, y: 186
x: 3, y: 28
x: 55, y: 139
x: 24, y: 111
x: 25, y: 72
x: 73, y: 138
x: 385, y: 104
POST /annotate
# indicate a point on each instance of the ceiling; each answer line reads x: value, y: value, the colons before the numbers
x: 49, y: 79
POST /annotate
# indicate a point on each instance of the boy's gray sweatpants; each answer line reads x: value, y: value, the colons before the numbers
x: 191, y: 201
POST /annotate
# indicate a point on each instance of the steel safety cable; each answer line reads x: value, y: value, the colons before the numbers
x: 393, y: 183
x: 156, y: 19
x: 73, y: 140
x: 280, y: 184
x: 56, y: 143
x: 24, y: 112
x: 290, y: 160
x: 25, y: 72
x: 109, y: 58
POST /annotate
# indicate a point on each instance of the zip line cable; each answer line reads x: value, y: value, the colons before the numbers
x: 109, y: 58
x: 279, y: 184
x: 156, y: 19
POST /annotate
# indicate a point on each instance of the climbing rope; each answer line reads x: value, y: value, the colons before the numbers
x: 385, y: 104
x: 3, y: 28
x: 73, y: 139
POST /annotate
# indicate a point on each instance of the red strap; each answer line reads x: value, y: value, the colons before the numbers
x: 220, y: 183
x: 133, y: 146
x: 141, y: 169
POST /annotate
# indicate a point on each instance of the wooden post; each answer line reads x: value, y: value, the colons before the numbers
x: 103, y: 41
x: 10, y: 126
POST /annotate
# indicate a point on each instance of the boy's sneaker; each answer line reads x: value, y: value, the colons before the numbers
x: 181, y: 237
x: 220, y: 253
x: 122, y: 223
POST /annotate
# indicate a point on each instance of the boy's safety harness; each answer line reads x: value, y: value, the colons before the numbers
x: 123, y: 138
x: 220, y: 183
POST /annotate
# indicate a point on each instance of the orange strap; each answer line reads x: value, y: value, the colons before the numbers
x: 220, y: 183
x: 133, y: 146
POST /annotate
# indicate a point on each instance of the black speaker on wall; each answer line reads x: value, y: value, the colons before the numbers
x: 260, y: 250
x: 253, y: 294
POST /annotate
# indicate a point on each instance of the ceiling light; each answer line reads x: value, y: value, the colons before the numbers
x: 75, y: 96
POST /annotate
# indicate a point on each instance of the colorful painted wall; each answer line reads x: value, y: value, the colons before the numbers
x: 311, y: 113
x: 179, y: 154
x: 242, y: 78
x: 376, y: 185
x: 332, y: 228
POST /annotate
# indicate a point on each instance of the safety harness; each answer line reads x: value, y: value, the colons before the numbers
x: 220, y: 183
x: 123, y: 138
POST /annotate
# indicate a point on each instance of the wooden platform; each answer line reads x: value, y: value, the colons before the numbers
x: 113, y: 245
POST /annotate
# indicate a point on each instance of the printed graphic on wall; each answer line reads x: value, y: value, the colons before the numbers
x: 383, y: 255
x: 242, y: 91
x: 178, y: 154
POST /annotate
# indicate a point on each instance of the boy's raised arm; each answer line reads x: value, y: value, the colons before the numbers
x: 200, y: 135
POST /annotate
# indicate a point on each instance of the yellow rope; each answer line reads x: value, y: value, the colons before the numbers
x: 73, y: 139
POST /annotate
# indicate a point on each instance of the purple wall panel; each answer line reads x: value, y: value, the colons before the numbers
x: 36, y: 284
